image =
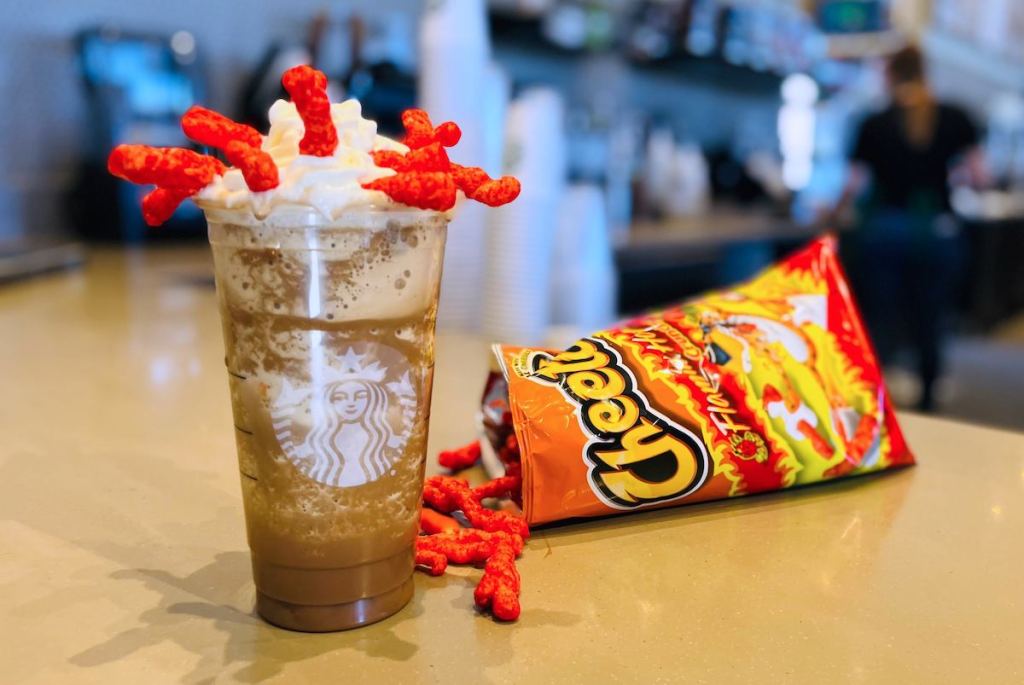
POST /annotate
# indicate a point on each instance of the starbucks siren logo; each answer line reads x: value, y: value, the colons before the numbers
x: 350, y: 425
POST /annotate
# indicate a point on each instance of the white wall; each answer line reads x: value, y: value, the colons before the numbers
x: 41, y: 118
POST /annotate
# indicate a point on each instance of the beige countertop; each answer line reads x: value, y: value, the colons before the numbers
x: 123, y: 557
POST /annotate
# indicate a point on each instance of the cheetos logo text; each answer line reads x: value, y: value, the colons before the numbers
x: 636, y: 456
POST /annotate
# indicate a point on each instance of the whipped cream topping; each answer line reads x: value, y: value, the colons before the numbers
x: 329, y: 184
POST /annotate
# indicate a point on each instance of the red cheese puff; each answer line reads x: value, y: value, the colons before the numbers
x: 434, y: 522
x: 435, y: 563
x: 448, y: 494
x: 469, y: 178
x: 158, y: 205
x: 440, y: 497
x: 497, y: 192
x: 514, y: 468
x: 207, y: 127
x: 167, y: 167
x: 308, y: 90
x: 468, y: 546
x: 420, y: 132
x: 488, y: 519
x: 257, y: 167
x: 509, y: 454
x: 500, y: 585
x: 418, y: 129
x: 448, y: 134
x: 461, y: 457
x: 428, y: 158
x: 423, y: 189
x: 390, y: 159
x: 477, y: 185
x: 426, y: 178
x: 516, y: 542
x: 506, y: 486
x: 444, y: 493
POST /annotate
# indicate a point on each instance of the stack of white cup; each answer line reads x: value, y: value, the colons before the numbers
x: 454, y: 54
x: 496, y: 94
x: 520, y: 235
x: 584, y: 282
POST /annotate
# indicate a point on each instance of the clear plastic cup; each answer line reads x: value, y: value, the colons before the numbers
x: 329, y: 347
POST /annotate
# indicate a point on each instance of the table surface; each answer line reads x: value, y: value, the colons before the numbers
x: 123, y: 557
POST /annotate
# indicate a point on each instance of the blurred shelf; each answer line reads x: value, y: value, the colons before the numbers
x: 714, y: 72
x: 667, y: 261
x: 862, y: 45
x: 518, y: 33
x: 701, y: 238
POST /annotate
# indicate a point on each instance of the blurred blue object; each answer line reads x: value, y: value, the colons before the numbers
x: 145, y: 70
x: 137, y: 86
x: 852, y: 16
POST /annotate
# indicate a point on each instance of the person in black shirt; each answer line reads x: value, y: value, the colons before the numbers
x: 904, y: 255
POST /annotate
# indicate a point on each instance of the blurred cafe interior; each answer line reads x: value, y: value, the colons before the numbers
x: 665, y: 147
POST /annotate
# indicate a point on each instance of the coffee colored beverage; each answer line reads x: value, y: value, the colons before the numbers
x: 329, y: 341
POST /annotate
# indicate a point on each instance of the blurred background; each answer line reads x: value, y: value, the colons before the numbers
x: 665, y: 147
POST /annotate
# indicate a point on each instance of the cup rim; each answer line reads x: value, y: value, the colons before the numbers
x: 294, y: 215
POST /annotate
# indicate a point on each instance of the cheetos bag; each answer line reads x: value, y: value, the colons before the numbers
x: 769, y: 385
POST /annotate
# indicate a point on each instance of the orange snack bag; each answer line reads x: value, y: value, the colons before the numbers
x: 769, y: 385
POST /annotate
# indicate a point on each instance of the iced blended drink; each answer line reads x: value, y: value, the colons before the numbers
x: 328, y: 242
x: 329, y: 346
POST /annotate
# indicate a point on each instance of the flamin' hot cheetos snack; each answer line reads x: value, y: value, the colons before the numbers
x: 770, y: 385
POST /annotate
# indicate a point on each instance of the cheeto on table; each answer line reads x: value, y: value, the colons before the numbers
x: 123, y: 557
